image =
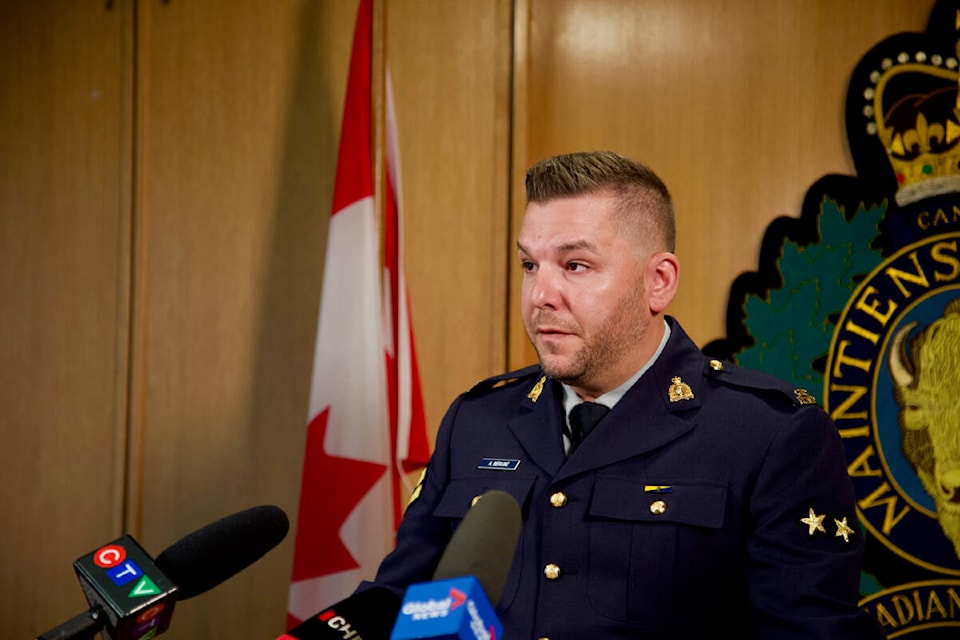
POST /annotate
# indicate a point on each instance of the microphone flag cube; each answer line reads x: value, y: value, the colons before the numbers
x: 454, y: 609
x: 121, y: 582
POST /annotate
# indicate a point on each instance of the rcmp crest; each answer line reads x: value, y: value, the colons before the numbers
x: 860, y: 297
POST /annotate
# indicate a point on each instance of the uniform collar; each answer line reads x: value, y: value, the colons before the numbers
x: 612, y: 397
x: 649, y: 415
x: 643, y: 419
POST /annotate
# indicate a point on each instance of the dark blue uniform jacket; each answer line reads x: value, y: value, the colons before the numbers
x: 724, y: 514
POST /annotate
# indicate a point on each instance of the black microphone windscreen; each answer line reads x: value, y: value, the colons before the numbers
x: 484, y: 544
x: 366, y: 615
x: 203, y: 559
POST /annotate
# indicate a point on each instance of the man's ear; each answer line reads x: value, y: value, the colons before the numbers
x: 663, y: 277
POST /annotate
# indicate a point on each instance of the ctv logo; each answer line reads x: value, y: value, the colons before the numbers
x: 432, y: 608
x: 113, y: 560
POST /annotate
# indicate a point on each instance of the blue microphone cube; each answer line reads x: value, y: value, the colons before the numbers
x: 454, y: 609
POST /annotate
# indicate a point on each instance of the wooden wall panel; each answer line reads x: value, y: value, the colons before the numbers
x: 450, y: 64
x: 240, y: 107
x: 64, y: 256
x: 737, y: 105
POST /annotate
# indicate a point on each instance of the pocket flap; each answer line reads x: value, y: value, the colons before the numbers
x: 691, y: 502
x: 460, y: 493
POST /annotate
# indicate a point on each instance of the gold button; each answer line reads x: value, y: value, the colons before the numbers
x: 475, y: 500
x: 558, y: 499
x: 658, y: 508
x: 552, y: 571
x: 716, y: 365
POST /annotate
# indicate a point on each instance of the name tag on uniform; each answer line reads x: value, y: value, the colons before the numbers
x: 499, y: 464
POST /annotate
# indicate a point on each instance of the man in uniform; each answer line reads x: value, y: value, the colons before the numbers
x: 705, y: 500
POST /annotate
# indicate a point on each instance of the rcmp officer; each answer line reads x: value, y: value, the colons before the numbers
x: 707, y: 499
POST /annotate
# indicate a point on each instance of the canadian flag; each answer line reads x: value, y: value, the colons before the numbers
x: 366, y: 428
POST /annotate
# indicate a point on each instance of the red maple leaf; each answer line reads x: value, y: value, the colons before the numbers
x: 330, y: 491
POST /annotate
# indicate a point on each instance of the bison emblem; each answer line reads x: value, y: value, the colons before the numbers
x: 926, y: 376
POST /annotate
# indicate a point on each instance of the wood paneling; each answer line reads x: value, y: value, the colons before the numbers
x: 737, y: 105
x: 64, y: 296
x: 240, y: 107
x: 450, y: 65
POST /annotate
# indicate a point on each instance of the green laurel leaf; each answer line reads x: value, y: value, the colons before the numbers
x: 791, y: 325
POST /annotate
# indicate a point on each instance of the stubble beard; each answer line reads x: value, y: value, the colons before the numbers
x: 588, y: 365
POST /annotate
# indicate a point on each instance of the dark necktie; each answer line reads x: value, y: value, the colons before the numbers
x: 583, y: 418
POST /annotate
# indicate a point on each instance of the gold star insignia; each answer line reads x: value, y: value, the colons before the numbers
x: 843, y: 529
x: 815, y: 522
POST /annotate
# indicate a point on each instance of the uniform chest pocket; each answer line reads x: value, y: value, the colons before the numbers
x: 458, y: 498
x: 460, y: 493
x: 652, y: 545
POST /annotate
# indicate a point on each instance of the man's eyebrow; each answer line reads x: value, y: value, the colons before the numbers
x: 567, y: 246
x: 579, y: 244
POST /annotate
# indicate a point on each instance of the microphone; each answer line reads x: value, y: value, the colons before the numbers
x: 132, y: 597
x: 482, y: 546
x: 472, y: 573
x: 366, y: 615
x: 201, y: 560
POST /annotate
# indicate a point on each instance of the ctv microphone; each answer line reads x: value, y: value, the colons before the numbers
x: 132, y: 597
x: 472, y: 572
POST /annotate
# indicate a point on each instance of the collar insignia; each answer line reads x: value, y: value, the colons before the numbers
x: 537, y: 389
x: 679, y: 390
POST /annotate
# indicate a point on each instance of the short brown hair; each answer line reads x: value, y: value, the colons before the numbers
x: 589, y: 172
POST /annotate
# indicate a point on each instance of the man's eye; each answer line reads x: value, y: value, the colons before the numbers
x: 526, y: 265
x: 575, y: 266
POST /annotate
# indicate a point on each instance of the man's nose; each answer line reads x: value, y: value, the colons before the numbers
x: 545, y: 291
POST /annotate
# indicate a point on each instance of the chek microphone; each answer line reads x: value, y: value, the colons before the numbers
x: 132, y: 597
x: 365, y: 615
x: 471, y: 574
x: 476, y: 560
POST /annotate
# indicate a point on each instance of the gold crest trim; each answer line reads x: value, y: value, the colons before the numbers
x: 679, y: 390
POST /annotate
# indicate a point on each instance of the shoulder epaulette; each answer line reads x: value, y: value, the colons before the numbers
x: 734, y: 375
x: 506, y: 379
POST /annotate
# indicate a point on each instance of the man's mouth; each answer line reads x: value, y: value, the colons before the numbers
x: 553, y: 332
